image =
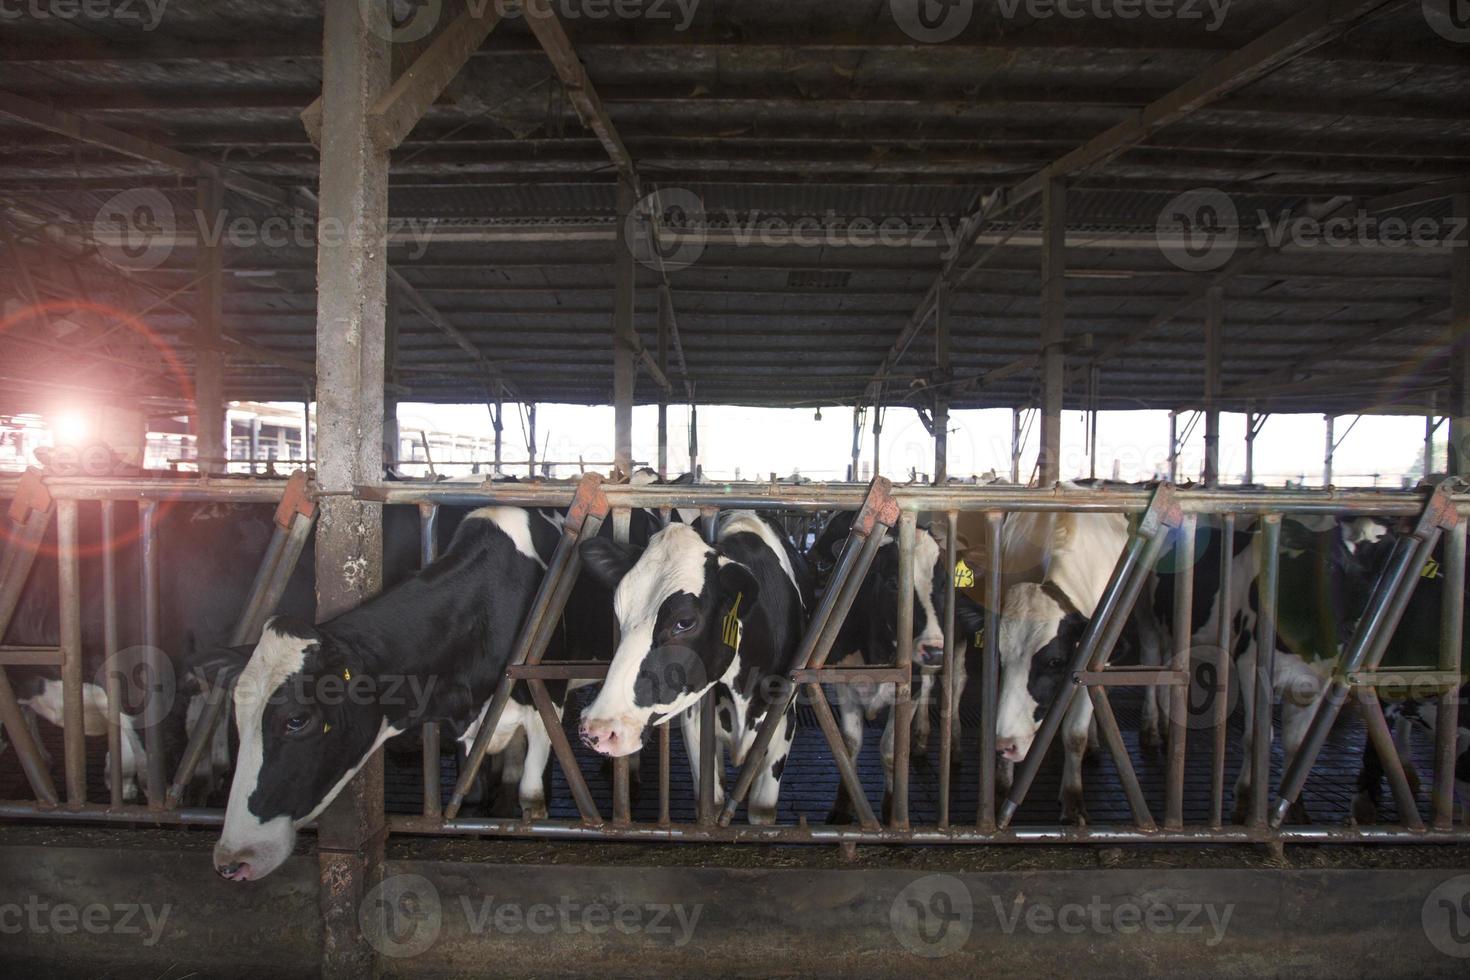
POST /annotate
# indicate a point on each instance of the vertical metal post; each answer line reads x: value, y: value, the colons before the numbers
x: 942, y: 378
x: 428, y: 551
x: 1265, y: 668
x: 877, y: 439
x: 306, y: 428
x: 209, y: 367
x: 990, y: 671
x: 694, y: 441
x: 624, y: 340
x: 1173, y: 446
x: 254, y: 444
x: 947, y: 705
x: 1429, y: 428
x: 1093, y: 375
x: 1224, y: 640
x: 531, y: 440
x: 903, y: 702
x: 622, y: 808
x: 706, y: 749
x: 665, y: 316
x: 1451, y: 652
x: 1330, y: 449
x: 390, y: 376
x: 1053, y: 326
x: 1250, y: 447
x: 1214, y: 356
x: 111, y: 676
x: 148, y: 514
x: 854, y: 473
x: 69, y: 593
x: 1458, y: 452
x: 1184, y: 558
x: 1015, y: 445
x: 351, y: 310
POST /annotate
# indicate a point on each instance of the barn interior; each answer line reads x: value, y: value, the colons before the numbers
x: 1247, y: 206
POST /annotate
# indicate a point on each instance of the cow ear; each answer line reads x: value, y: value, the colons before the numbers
x: 215, y: 667
x: 608, y: 560
x: 736, y: 580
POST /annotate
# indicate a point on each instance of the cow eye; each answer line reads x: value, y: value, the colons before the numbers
x: 683, y: 625
x: 1055, y: 663
x: 296, y: 724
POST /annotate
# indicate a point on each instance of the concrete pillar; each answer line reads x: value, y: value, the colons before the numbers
x: 1053, y: 326
x: 624, y: 341
x: 209, y: 364
x: 1214, y: 356
x: 351, y: 310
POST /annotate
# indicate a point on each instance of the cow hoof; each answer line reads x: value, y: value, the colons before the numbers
x: 762, y: 816
x: 1365, y: 811
x: 533, y: 809
x: 921, y: 744
x: 1150, y: 740
x: 1074, y: 817
x: 1297, y: 814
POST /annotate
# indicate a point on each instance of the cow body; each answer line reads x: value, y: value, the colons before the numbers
x: 695, y: 617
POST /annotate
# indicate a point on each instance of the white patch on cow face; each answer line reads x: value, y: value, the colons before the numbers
x: 928, y: 632
x: 675, y: 561
x: 1361, y: 531
x: 1030, y: 621
x: 516, y: 523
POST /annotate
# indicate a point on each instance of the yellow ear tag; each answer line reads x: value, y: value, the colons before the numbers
x: 326, y: 727
x: 732, y: 625
x: 1431, y: 569
x: 964, y: 575
x: 346, y: 674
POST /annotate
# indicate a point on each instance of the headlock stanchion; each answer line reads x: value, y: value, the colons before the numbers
x: 584, y: 519
x: 1360, y: 659
x: 1089, y: 663
x: 428, y: 551
x: 878, y: 513
x: 30, y: 514
x: 295, y: 515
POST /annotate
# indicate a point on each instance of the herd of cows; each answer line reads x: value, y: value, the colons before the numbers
x: 675, y: 616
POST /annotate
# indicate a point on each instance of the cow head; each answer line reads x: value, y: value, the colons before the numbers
x: 880, y: 596
x: 681, y: 606
x: 1039, y: 635
x: 308, y: 721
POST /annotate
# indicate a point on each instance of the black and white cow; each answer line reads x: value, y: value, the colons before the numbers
x: 1057, y: 567
x: 314, y: 702
x: 869, y: 637
x: 694, y: 616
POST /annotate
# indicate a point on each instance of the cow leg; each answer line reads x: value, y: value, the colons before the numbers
x: 885, y: 749
x: 1152, y: 641
x: 1245, y: 676
x: 690, y: 725
x: 922, y: 724
x: 766, y: 789
x: 1301, y: 690
x: 34, y: 728
x: 533, y: 770
x: 1370, y: 787
x: 1403, y: 730
x: 851, y: 715
x: 1074, y: 745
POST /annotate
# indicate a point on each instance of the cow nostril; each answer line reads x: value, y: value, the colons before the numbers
x: 235, y: 871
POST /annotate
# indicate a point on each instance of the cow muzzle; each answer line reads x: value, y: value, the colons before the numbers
x: 929, y: 653
x: 1012, y: 748
x: 612, y: 737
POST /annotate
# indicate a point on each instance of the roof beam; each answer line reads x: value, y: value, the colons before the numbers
x: 72, y: 126
x: 1319, y: 23
x: 426, y: 309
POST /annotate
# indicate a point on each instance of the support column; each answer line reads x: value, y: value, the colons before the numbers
x: 1173, y: 447
x: 497, y: 422
x: 1053, y: 327
x: 1015, y: 445
x: 1331, y: 447
x: 531, y: 438
x: 390, y: 375
x: 624, y: 342
x: 665, y: 316
x: 351, y: 312
x: 1458, y: 409
x: 1250, y: 447
x: 1214, y: 355
x: 854, y: 472
x: 877, y: 440
x: 1429, y: 428
x: 209, y: 363
x: 942, y: 377
x: 694, y: 442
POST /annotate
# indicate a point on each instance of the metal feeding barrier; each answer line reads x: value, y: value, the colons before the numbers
x: 1165, y: 517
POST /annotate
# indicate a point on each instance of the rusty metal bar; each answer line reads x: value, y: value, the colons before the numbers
x: 1223, y: 641
x: 1381, y: 741
x: 1451, y: 654
x: 564, y: 754
x: 665, y: 749
x: 111, y: 678
x: 946, y: 677
x: 847, y: 772
x: 622, y: 518
x: 877, y: 514
x: 152, y: 727
x: 1183, y: 630
x: 1112, y: 736
x: 584, y: 520
x: 903, y: 703
x: 428, y: 551
x: 1265, y: 686
x: 1133, y: 567
x: 74, y: 736
x: 990, y: 671
x: 30, y: 511
x: 707, y: 776
x: 1390, y: 597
